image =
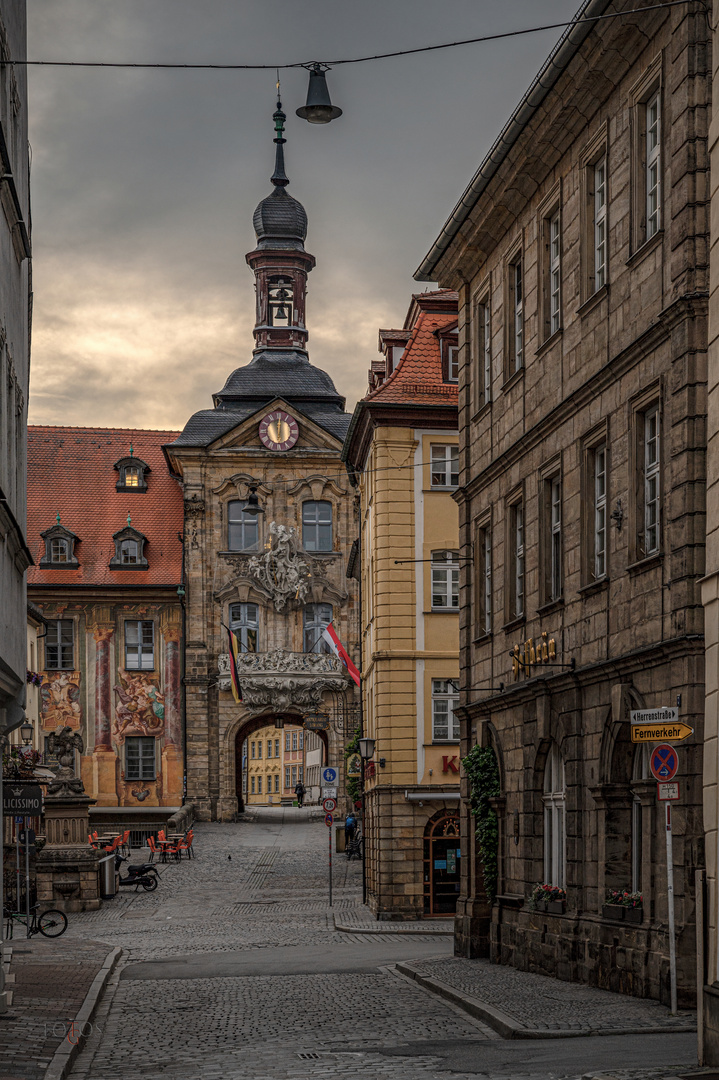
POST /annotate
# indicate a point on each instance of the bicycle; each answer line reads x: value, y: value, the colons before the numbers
x: 50, y: 924
x: 354, y: 847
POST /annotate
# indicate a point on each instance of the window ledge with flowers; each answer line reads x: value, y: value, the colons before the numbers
x: 623, y: 906
x: 549, y: 898
x: 19, y: 762
x: 34, y: 678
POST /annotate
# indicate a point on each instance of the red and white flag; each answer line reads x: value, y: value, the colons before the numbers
x: 339, y: 650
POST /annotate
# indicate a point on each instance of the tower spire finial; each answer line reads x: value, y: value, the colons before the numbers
x: 279, y: 177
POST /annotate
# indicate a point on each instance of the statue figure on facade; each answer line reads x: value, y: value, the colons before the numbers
x: 63, y: 743
x: 281, y: 571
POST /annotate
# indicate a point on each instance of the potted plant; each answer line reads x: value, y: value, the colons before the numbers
x: 549, y: 898
x: 622, y: 905
x: 633, y: 907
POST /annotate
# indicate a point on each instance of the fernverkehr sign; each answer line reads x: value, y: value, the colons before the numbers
x: 22, y: 798
x: 655, y: 716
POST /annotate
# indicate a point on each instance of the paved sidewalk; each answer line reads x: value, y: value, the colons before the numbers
x: 50, y: 981
x: 522, y: 1005
x: 359, y: 920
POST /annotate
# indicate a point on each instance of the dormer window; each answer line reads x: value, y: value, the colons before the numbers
x: 450, y: 358
x: 129, y: 550
x: 132, y: 474
x: 280, y: 297
x: 59, y: 548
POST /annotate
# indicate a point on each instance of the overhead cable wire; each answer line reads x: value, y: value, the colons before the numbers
x: 567, y: 23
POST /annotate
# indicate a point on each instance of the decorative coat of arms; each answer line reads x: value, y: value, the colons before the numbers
x: 281, y: 571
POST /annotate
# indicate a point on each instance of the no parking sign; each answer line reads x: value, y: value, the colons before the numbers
x: 664, y: 762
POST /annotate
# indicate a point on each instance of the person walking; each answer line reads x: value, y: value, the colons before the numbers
x: 299, y: 792
x: 350, y: 829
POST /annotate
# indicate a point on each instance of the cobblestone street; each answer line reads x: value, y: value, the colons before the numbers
x: 233, y: 968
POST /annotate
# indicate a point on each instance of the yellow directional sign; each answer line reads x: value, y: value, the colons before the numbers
x: 650, y: 733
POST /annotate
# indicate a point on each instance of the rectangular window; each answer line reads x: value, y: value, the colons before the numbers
x: 242, y: 528
x: 269, y: 748
x: 600, y: 510
x: 287, y: 742
x: 252, y: 785
x: 59, y: 650
x: 445, y: 699
x: 277, y: 748
x: 287, y: 776
x: 484, y: 352
x: 516, y: 316
x: 277, y: 782
x: 252, y: 747
x: 300, y: 773
x: 484, y: 580
x: 600, y: 223
x: 244, y: 623
x: 555, y: 250
x: 139, y: 758
x: 294, y: 775
x: 445, y: 466
x: 259, y: 749
x: 653, y: 165
x: 139, y: 645
x: 452, y: 363
x: 445, y: 580
x: 316, y: 618
x: 317, y: 526
x: 516, y: 560
x: 651, y: 479
x: 259, y: 785
x: 294, y: 740
x: 302, y: 740
x: 552, y: 513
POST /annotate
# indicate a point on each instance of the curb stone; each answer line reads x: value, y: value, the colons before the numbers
x: 510, y: 1028
x: 66, y: 1052
x: 347, y: 929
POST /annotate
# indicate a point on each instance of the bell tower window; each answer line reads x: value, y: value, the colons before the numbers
x: 280, y: 301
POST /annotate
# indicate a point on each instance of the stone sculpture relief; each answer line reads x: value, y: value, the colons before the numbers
x: 62, y: 744
x: 281, y: 571
x: 281, y: 680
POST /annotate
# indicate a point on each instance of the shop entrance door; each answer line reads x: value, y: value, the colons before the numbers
x: 441, y: 864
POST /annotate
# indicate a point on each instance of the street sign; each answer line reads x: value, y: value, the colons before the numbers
x: 317, y: 723
x: 667, y: 715
x: 22, y: 799
x: 664, y: 762
x: 329, y: 805
x: 329, y: 775
x: 645, y: 733
x: 19, y: 819
x: 329, y: 820
x: 27, y: 836
x: 668, y: 792
x: 329, y: 792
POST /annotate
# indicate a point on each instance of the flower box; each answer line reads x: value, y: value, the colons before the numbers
x: 540, y: 905
x: 556, y: 907
x: 614, y: 911
x: 634, y: 915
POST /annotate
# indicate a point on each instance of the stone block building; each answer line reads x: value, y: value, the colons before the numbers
x: 580, y: 254
x: 402, y: 453
x: 270, y: 519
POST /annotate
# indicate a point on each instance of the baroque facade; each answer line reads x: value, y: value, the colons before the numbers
x: 579, y: 251
x: 105, y: 524
x: 269, y: 523
x: 402, y: 452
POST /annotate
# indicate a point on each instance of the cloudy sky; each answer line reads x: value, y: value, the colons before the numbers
x: 144, y: 182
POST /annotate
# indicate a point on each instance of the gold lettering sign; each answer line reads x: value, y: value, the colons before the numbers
x: 529, y: 654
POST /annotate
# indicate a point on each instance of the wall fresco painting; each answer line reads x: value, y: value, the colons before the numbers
x: 139, y: 706
x: 60, y: 700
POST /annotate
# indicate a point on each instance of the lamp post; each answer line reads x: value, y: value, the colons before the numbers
x: 26, y: 732
x: 366, y: 751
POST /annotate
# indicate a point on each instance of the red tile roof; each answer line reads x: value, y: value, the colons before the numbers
x: 70, y: 472
x: 417, y: 379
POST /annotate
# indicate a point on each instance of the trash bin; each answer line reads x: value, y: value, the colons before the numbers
x: 340, y: 838
x: 108, y: 887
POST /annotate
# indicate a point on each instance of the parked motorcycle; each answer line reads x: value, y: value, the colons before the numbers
x: 144, y: 874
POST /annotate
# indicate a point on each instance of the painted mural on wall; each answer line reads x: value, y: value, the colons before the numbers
x: 60, y: 697
x: 139, y: 706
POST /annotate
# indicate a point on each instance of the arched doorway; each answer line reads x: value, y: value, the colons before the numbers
x: 441, y: 863
x: 242, y: 738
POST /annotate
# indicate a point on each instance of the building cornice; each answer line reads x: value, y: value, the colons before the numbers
x: 369, y: 415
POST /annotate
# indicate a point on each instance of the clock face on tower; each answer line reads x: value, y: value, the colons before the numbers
x: 279, y: 430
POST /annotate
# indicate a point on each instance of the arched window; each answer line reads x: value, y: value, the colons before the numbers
x: 317, y: 526
x: 280, y: 294
x: 554, y: 819
x: 132, y: 474
x: 316, y: 617
x: 242, y: 529
x: 128, y: 551
x: 640, y: 771
x: 244, y: 622
x: 59, y: 550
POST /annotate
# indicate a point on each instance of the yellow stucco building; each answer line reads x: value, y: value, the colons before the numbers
x: 402, y: 450
x: 274, y: 762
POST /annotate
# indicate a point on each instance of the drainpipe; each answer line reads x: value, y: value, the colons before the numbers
x: 183, y: 695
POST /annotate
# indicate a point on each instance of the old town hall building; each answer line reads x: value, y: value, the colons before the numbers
x: 138, y: 597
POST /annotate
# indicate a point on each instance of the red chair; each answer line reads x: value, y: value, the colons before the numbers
x: 116, y: 843
x: 161, y: 835
x: 153, y: 850
x: 91, y: 842
x: 186, y: 845
x: 125, y: 845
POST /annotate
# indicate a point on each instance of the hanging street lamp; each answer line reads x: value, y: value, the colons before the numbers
x: 319, y: 109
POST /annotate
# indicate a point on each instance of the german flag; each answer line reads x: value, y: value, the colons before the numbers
x: 234, y: 653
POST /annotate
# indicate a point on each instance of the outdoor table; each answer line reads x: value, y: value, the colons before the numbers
x: 164, y: 844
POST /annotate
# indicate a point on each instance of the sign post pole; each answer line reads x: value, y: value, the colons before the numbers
x: 18, y: 823
x: 27, y: 874
x: 670, y: 903
x: 329, y: 833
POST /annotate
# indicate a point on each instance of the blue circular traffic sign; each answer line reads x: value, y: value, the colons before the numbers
x: 329, y: 775
x: 664, y: 762
x: 328, y: 820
